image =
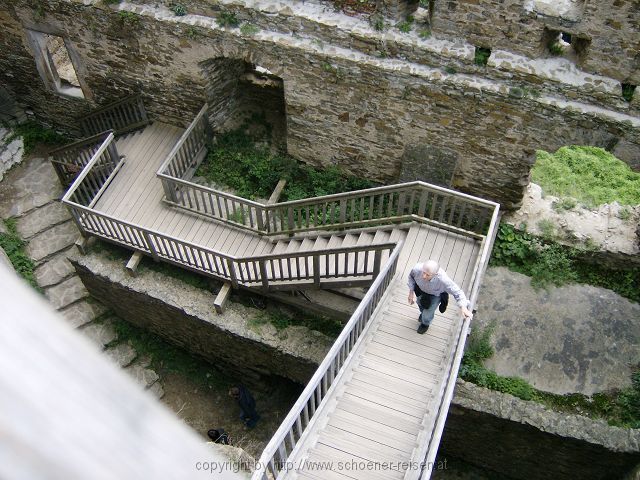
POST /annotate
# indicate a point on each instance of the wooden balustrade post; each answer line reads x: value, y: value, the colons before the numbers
x: 290, y: 223
x: 113, y: 152
x: 152, y: 249
x: 377, y: 260
x: 232, y: 273
x: 259, y: 219
x: 343, y: 210
x: 263, y: 274
x: 316, y: 270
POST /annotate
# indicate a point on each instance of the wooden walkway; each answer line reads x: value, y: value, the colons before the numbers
x: 386, y: 403
x: 135, y: 195
x: 389, y: 401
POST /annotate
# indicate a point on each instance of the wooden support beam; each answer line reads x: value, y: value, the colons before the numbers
x: 132, y: 264
x: 84, y: 243
x: 275, y: 196
x: 223, y: 296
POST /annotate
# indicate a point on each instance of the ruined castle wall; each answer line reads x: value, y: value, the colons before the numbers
x: 610, y: 28
x: 347, y: 103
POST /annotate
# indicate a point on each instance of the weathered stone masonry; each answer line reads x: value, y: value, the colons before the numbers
x: 490, y: 429
x: 354, y: 96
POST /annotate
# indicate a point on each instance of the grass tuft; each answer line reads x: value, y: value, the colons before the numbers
x: 590, y: 175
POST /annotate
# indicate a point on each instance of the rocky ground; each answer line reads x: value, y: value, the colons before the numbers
x: 575, y: 338
x: 609, y: 228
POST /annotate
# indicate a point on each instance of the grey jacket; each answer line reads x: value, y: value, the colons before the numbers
x: 438, y: 284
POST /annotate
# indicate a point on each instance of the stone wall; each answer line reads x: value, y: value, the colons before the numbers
x: 492, y: 430
x: 185, y: 316
x: 526, y: 441
x: 610, y: 29
x: 362, y: 99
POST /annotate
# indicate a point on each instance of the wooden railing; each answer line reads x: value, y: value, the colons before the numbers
x: 283, y: 444
x: 414, y: 201
x: 96, y: 175
x: 352, y: 265
x: 185, y: 156
x: 417, y: 201
x: 69, y: 160
x: 121, y: 116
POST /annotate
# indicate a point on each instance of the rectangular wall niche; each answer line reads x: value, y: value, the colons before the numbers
x: 54, y: 64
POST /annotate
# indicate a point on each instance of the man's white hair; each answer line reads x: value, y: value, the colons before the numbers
x: 430, y: 266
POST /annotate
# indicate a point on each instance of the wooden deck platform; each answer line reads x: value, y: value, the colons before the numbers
x: 135, y: 195
x: 386, y: 403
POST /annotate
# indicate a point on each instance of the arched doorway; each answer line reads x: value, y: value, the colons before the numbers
x: 244, y: 94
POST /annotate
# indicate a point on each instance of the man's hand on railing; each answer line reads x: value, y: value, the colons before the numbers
x: 467, y: 313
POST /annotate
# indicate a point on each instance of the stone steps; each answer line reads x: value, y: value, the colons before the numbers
x: 50, y: 234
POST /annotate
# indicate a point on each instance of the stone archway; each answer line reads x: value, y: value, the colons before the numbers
x: 238, y: 91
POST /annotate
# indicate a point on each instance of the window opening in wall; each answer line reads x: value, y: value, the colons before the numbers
x: 560, y: 43
x: 55, y: 65
x: 627, y: 91
x: 481, y: 56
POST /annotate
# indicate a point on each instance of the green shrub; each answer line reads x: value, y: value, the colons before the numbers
x: 253, y: 172
x: 547, y: 229
x: 478, y: 346
x: 549, y: 263
x: 33, y: 133
x: 377, y: 22
x: 281, y: 320
x: 249, y: 29
x: 555, y: 48
x: 178, y: 9
x: 227, y: 19
x: 481, y: 57
x: 589, y: 174
x: 14, y: 247
x: 624, y: 214
x: 407, y: 25
x: 627, y: 91
x: 564, y: 204
x: 129, y: 19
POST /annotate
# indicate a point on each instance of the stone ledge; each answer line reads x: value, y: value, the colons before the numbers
x: 328, y: 31
x: 525, y: 440
x: 530, y: 413
x: 185, y: 316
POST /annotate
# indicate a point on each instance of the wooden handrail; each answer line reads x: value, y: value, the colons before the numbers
x: 140, y: 238
x: 230, y: 196
x: 300, y: 417
x: 85, y: 171
x: 81, y: 143
x: 121, y: 116
x: 181, y: 141
x: 385, y: 189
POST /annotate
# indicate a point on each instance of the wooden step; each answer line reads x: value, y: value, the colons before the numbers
x: 320, y: 243
x: 280, y: 247
x: 294, y: 246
